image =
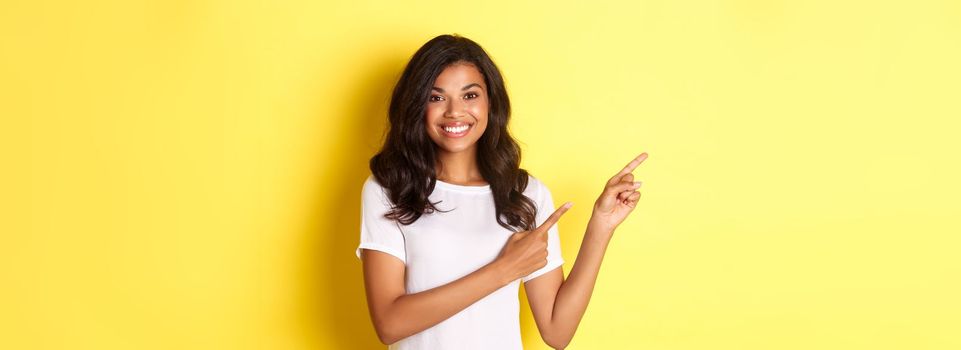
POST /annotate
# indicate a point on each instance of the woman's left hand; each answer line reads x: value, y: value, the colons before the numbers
x: 619, y: 198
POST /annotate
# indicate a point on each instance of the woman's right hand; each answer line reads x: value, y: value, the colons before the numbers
x: 526, y: 251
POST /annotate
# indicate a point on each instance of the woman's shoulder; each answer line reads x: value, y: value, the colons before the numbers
x: 371, y: 183
x: 535, y: 187
x: 372, y: 189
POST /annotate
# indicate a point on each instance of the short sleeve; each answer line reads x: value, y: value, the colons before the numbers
x: 376, y: 231
x: 545, y: 207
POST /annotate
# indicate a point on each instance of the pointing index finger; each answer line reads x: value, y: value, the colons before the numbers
x: 551, y: 220
x: 633, y: 164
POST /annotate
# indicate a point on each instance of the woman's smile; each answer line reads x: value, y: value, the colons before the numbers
x: 456, y: 129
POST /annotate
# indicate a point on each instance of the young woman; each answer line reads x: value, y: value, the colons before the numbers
x: 451, y: 224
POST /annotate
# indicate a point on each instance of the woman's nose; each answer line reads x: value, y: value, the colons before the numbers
x: 455, y: 109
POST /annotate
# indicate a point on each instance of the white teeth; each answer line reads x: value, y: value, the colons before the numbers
x: 456, y: 130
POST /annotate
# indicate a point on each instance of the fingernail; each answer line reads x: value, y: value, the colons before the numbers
x: 637, y: 184
x: 568, y: 204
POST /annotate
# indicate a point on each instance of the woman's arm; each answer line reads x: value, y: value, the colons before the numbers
x: 398, y: 315
x: 557, y: 304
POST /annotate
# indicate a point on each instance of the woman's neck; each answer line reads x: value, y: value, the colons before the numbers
x: 459, y: 168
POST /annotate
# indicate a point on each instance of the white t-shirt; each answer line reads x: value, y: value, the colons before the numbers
x: 440, y: 248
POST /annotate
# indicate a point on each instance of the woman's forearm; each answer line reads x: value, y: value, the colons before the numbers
x: 575, y: 293
x: 413, y: 313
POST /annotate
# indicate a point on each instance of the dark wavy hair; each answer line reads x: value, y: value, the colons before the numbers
x: 405, y: 164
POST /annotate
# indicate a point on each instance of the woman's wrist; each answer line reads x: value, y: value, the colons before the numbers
x: 597, y: 228
x: 495, y: 271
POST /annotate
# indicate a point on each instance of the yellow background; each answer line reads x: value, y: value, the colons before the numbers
x: 187, y: 174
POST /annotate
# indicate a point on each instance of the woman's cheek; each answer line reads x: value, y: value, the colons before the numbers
x: 432, y: 114
x: 477, y: 109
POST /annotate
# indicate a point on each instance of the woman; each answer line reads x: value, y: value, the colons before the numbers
x: 451, y: 225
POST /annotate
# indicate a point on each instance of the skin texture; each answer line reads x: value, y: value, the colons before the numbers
x: 557, y: 304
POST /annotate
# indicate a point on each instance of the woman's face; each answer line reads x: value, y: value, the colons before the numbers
x: 457, y: 108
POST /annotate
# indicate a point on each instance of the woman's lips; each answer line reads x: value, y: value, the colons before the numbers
x: 456, y: 130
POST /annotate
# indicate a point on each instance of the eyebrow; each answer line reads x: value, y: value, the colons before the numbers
x: 462, y: 89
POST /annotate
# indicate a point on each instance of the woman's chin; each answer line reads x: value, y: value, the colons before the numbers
x: 455, y: 147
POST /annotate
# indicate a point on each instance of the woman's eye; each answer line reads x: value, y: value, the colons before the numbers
x: 471, y: 95
x: 434, y: 98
